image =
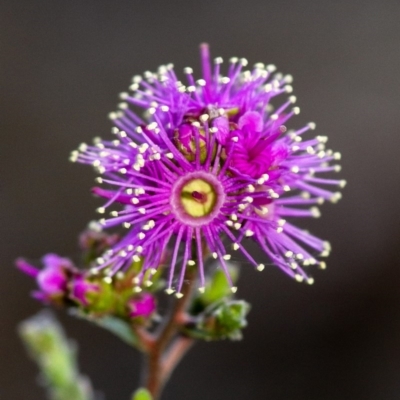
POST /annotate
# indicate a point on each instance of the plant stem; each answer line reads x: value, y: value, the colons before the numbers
x: 159, y: 364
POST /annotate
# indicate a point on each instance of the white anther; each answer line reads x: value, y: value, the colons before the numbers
x: 151, y: 126
x: 337, y: 156
x: 215, y: 255
x: 279, y: 229
x: 295, y: 169
x: 336, y: 197
x: 288, y: 89
x: 165, y: 108
x: 137, y: 289
x: 135, y: 258
x: 142, y: 210
x: 218, y: 60
x: 188, y: 70
x: 201, y: 289
x: 249, y: 232
x: 225, y: 80
x: 83, y: 147
x: 139, y: 249
x: 293, y: 99
x: 179, y: 295
x: 235, y: 139
x: 299, y: 278
x: 141, y: 235
x: 114, y: 213
x: 322, y: 265
x: 342, y: 183
x: 288, y: 78
x: 134, y: 200
x: 204, y: 117
x: 264, y: 210
x: 127, y: 225
x: 337, y: 168
x: 315, y: 212
x: 229, y: 223
x: 293, y: 265
x: 139, y: 191
x: 233, y: 289
x: 107, y: 279
x: 251, y: 188
x: 233, y: 217
x: 286, y: 188
x: 191, y: 262
x: 235, y: 246
x: 201, y: 82
x: 260, y: 267
x: 289, y: 254
x: 237, y: 226
x: 101, y: 210
x: 169, y: 291
x: 226, y: 257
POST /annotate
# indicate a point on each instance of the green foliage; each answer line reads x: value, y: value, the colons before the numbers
x: 56, y: 358
x: 142, y: 394
x: 119, y: 328
x: 223, y: 320
x: 217, y: 288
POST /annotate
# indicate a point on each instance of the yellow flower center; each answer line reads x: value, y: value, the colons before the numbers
x: 198, y: 198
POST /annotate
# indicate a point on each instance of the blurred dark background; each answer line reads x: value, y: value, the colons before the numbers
x: 62, y: 65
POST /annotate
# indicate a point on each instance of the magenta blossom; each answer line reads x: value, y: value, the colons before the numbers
x: 142, y: 306
x: 53, y: 279
x: 80, y: 289
x: 210, y: 164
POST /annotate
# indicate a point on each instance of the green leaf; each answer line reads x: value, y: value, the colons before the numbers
x: 142, y: 394
x: 217, y: 288
x: 223, y: 320
x: 119, y: 328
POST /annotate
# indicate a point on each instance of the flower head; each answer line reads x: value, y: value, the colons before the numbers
x: 52, y: 280
x: 142, y: 306
x: 208, y: 161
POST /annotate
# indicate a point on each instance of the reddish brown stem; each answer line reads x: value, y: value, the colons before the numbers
x: 160, y: 364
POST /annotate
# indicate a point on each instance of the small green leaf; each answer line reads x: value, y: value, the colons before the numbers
x: 142, y: 394
x: 119, y: 328
x: 217, y: 287
x: 223, y: 320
